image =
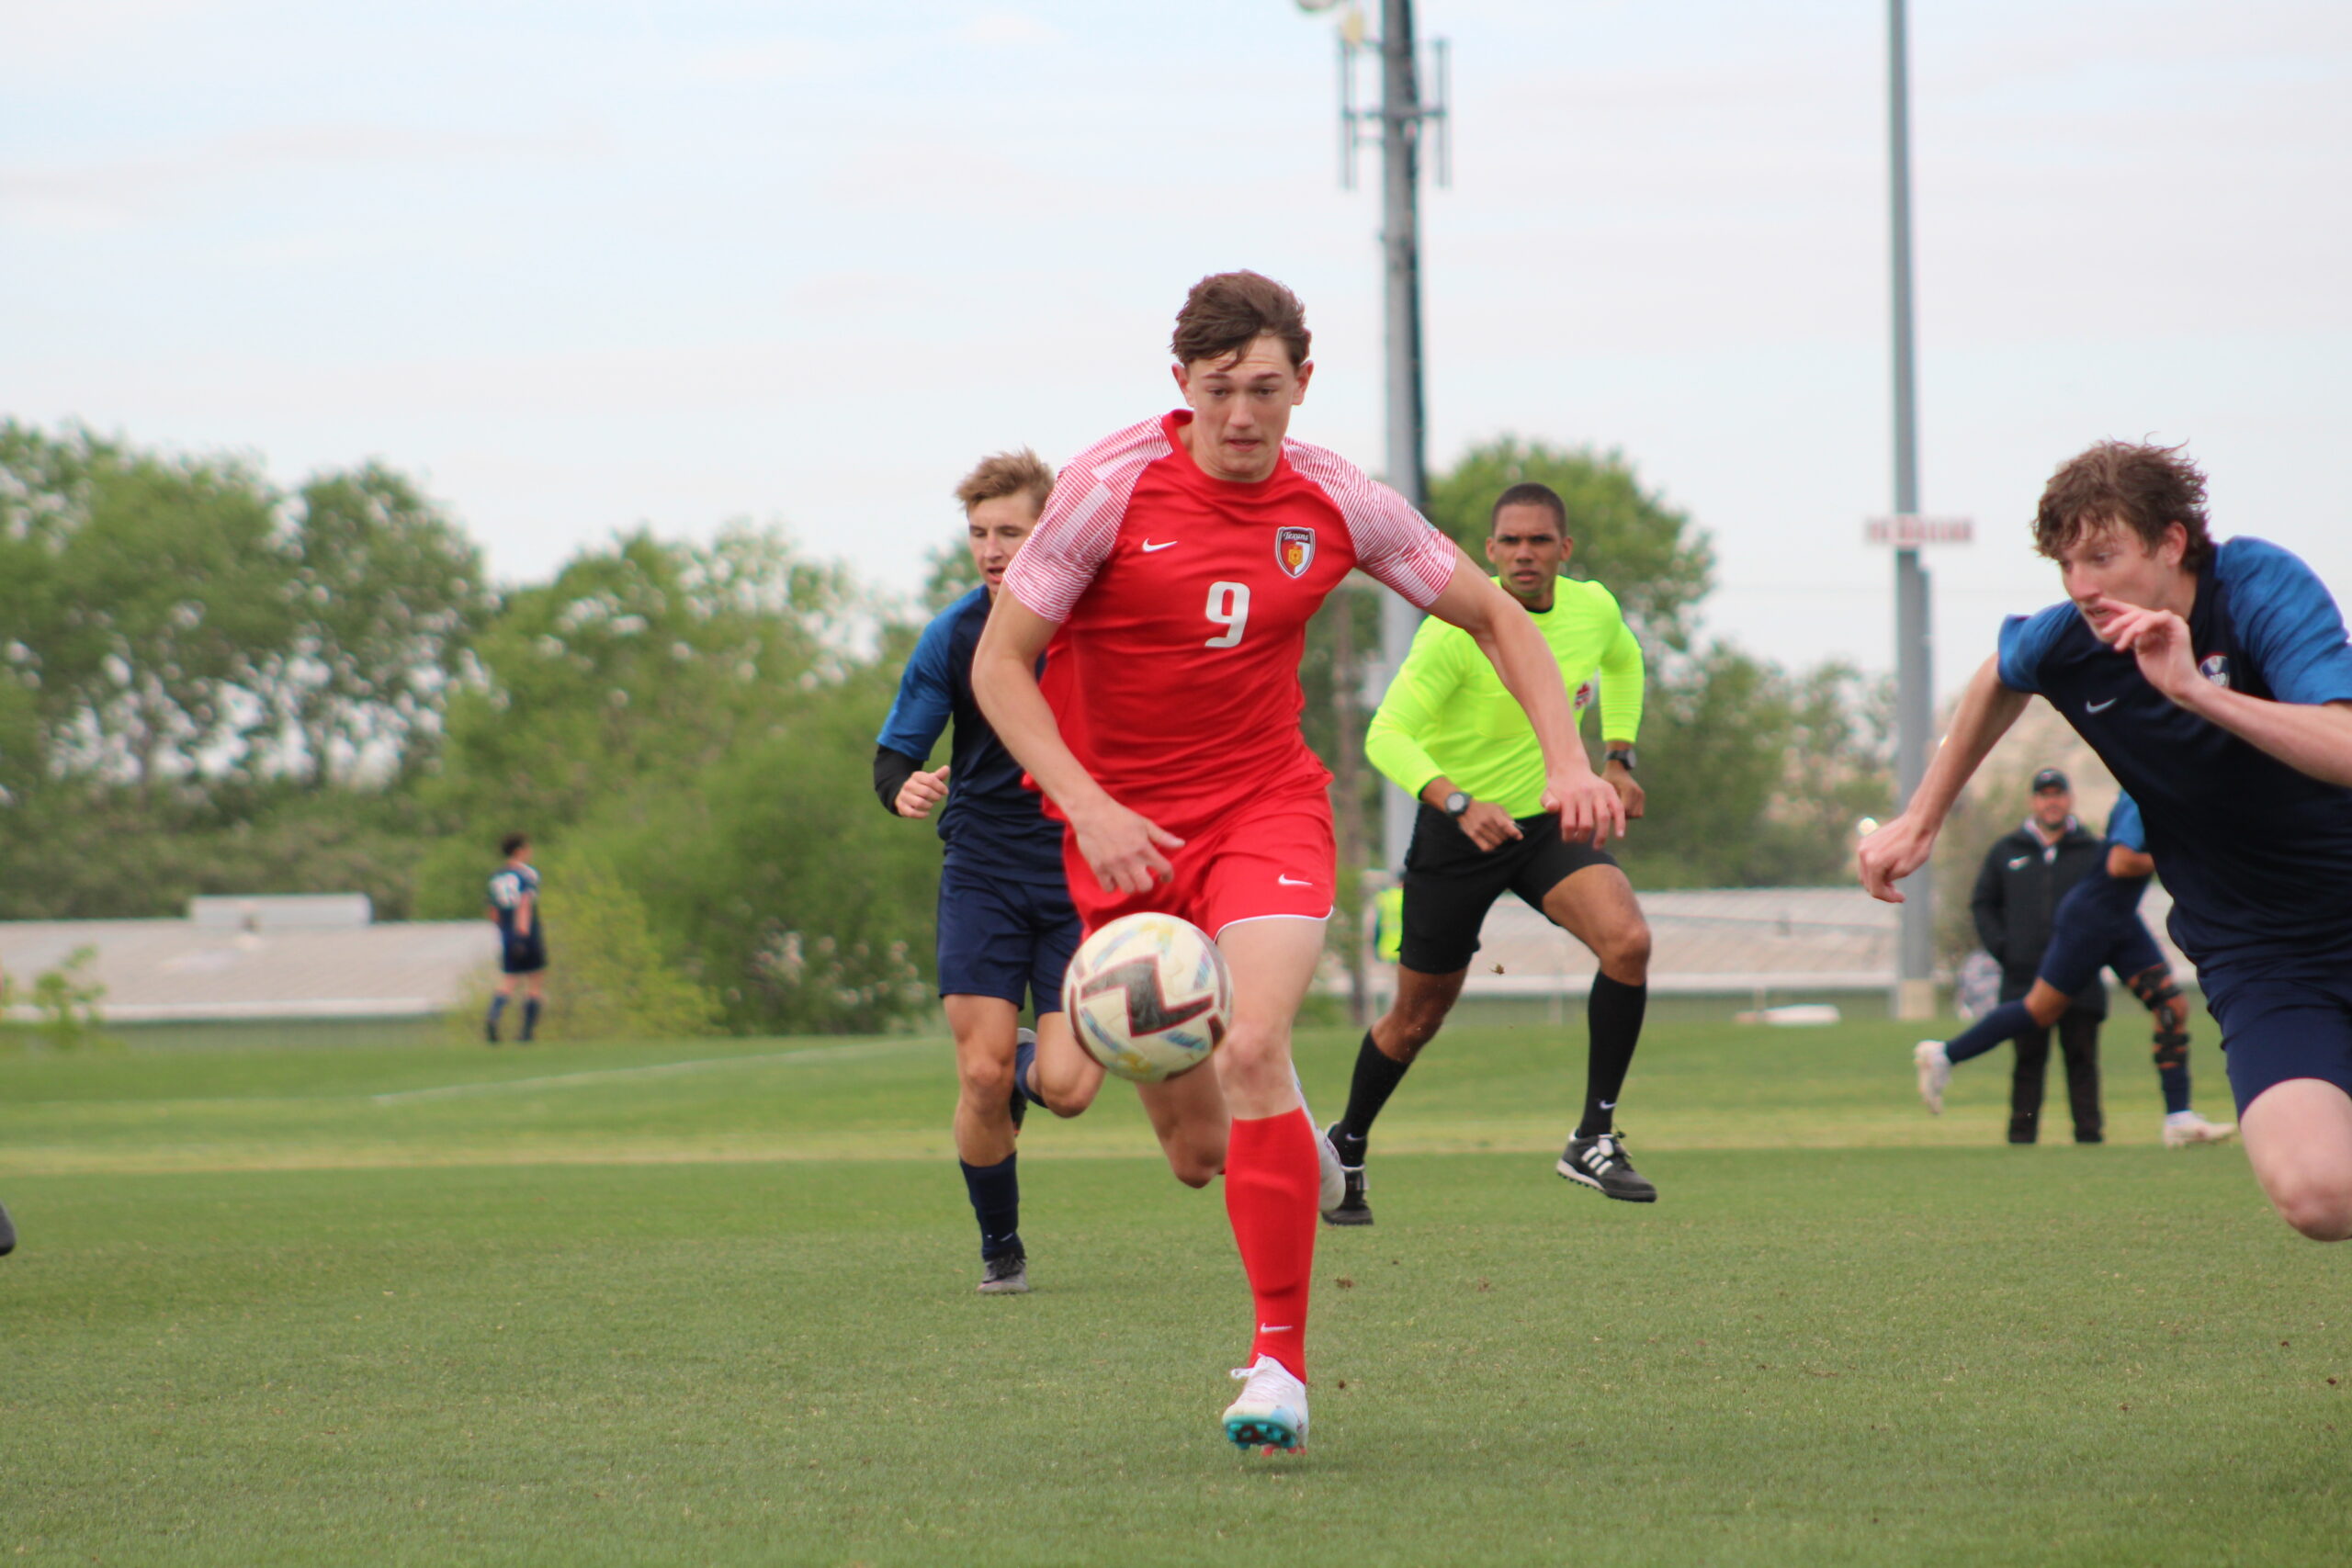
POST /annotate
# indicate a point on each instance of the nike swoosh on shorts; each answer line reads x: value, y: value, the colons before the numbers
x: 2099, y: 707
x: 1291, y: 881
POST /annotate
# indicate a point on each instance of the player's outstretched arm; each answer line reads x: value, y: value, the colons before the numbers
x: 1121, y: 847
x: 2314, y: 739
x: 1902, y: 847
x: 1588, y: 808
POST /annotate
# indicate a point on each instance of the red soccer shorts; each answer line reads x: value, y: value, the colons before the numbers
x: 1271, y: 856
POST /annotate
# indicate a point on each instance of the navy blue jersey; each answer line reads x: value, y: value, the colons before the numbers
x: 992, y: 822
x: 508, y: 886
x: 2101, y: 903
x: 2258, y: 856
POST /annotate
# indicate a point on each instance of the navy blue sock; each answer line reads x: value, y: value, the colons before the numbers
x: 2003, y: 1023
x: 530, y: 1018
x: 497, y: 1006
x: 1024, y: 1059
x: 995, y: 1192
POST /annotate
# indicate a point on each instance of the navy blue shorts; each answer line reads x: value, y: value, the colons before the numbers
x: 2280, y: 1022
x: 2077, y: 952
x: 999, y: 937
x: 523, y: 956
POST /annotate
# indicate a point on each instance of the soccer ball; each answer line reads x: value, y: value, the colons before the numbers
x: 1148, y: 996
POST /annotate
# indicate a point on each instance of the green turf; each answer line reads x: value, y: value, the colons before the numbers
x: 711, y: 1304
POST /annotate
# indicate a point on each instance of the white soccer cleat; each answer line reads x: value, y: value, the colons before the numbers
x: 2183, y: 1128
x: 1935, y: 1073
x: 1271, y: 1411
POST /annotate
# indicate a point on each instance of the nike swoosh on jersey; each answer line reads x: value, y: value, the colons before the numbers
x: 2099, y: 707
x: 1291, y: 881
x: 1151, y: 549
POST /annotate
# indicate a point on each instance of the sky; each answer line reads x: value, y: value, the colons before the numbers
x: 588, y: 266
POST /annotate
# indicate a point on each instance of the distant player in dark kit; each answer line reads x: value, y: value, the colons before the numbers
x: 8, y: 1232
x: 521, y: 937
x: 2215, y: 683
x: 2096, y: 926
x: 1173, y: 572
x: 1006, y: 927
x: 1451, y: 733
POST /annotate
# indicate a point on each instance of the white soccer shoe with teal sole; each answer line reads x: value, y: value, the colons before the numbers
x: 1271, y: 1411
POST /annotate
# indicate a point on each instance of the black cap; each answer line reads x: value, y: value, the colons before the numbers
x: 2050, y: 778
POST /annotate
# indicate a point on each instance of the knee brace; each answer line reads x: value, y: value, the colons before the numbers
x: 2159, y: 995
x: 2172, y: 1048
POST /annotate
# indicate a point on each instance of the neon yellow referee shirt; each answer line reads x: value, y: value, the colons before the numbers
x: 1447, y: 711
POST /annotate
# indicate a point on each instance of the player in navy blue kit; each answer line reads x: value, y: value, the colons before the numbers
x: 2096, y: 926
x: 2215, y: 683
x: 521, y: 937
x: 1006, y: 927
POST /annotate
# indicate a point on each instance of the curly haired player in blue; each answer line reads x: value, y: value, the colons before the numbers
x: 1006, y: 927
x: 2215, y: 682
x: 2096, y: 926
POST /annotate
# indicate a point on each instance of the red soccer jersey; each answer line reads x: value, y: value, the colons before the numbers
x: 1184, y: 600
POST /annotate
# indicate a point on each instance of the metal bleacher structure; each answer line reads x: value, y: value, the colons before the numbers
x: 251, y: 958
x: 1756, y: 943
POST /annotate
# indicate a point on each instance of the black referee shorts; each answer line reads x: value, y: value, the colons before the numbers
x: 1450, y: 884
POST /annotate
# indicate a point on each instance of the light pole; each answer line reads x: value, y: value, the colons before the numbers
x: 1915, y: 989
x: 1400, y: 116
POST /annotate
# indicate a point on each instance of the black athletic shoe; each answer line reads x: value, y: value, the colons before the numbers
x: 1352, y: 1209
x: 7, y: 1233
x: 1600, y: 1164
x: 1006, y: 1274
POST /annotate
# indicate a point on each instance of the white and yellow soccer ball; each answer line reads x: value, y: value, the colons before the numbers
x: 1148, y: 996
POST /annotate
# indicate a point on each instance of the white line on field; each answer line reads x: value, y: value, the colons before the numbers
x: 658, y: 1069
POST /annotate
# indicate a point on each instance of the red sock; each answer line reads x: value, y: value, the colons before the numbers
x: 1271, y: 1185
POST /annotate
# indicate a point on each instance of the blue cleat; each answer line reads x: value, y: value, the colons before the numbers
x: 1270, y: 1413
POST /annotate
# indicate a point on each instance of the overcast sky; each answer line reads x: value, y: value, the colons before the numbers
x: 585, y: 265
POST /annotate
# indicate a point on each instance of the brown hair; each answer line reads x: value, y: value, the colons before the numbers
x: 2142, y: 489
x: 1006, y: 473
x: 513, y: 841
x: 1227, y: 311
x: 1529, y: 493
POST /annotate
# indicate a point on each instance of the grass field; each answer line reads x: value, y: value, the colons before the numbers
x: 710, y: 1302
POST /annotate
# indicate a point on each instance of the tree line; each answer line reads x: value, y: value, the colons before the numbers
x: 210, y: 684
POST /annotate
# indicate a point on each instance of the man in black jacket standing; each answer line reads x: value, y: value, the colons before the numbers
x: 2025, y: 873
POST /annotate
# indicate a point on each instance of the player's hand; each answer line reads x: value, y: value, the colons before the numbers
x: 1121, y: 848
x: 1590, y: 812
x: 1892, y: 853
x: 920, y: 793
x: 1621, y: 778
x: 2158, y: 639
x: 1488, y: 824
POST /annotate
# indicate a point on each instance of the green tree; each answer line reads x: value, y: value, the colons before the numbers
x: 387, y: 595
x: 613, y: 979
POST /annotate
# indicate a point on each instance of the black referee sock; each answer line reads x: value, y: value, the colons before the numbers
x: 1614, y: 1013
x: 1377, y: 1076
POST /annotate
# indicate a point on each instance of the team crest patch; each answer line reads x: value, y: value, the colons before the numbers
x: 2215, y: 666
x: 1294, y: 550
x: 1583, y: 697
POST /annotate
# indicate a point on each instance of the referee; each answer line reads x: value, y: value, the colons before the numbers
x: 1448, y: 731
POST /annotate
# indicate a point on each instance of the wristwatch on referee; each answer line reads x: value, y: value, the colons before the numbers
x: 1456, y: 803
x: 1621, y: 754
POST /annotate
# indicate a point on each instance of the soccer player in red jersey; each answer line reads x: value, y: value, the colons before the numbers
x: 1174, y: 570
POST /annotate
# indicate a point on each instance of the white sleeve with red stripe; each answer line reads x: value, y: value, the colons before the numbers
x: 1395, y: 543
x: 1080, y: 522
